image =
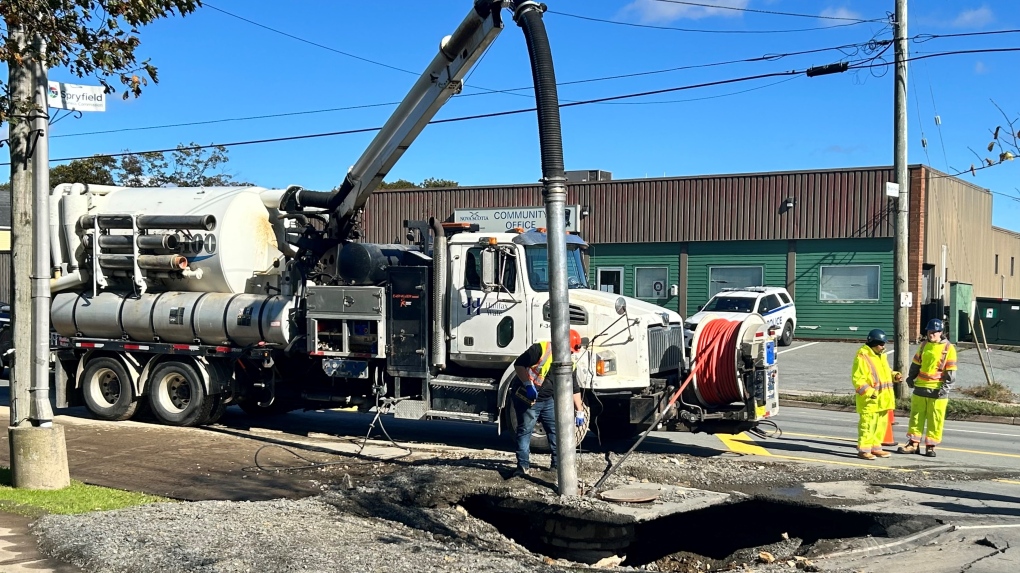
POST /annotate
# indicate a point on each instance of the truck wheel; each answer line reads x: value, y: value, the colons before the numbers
x: 177, y: 396
x: 786, y: 338
x: 219, y: 407
x: 107, y: 390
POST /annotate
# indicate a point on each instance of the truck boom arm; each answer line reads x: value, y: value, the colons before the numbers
x: 441, y: 80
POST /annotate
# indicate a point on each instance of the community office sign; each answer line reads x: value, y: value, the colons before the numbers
x: 504, y: 219
x: 74, y: 97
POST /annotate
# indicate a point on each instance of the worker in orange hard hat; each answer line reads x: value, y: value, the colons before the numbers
x: 873, y: 383
x: 533, y: 398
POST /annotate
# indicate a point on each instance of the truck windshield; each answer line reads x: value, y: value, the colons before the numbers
x: 538, y: 268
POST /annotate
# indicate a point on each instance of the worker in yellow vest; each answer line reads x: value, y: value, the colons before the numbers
x: 873, y: 383
x: 533, y: 396
x: 932, y: 373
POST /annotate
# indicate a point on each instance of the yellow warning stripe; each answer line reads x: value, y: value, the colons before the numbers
x: 742, y: 444
x: 1012, y: 481
x: 940, y: 448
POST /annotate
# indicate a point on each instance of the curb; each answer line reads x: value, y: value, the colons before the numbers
x: 788, y: 403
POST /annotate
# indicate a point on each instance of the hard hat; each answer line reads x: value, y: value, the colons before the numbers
x: 575, y: 340
x: 876, y: 337
x: 935, y: 325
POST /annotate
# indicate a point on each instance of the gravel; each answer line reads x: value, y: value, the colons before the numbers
x: 391, y: 517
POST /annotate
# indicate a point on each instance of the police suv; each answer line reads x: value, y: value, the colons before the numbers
x: 774, y: 304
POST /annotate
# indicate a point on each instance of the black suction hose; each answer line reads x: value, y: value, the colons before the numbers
x: 528, y: 15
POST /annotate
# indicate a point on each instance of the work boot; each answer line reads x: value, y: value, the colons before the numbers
x: 930, y: 452
x: 880, y: 453
x: 521, y: 471
x: 910, y: 448
x: 866, y: 455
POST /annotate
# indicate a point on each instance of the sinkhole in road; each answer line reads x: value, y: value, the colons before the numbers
x: 718, y: 533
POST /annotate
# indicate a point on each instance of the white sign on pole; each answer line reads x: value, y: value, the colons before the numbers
x: 906, y: 299
x: 892, y: 189
x: 75, y: 97
x: 504, y: 219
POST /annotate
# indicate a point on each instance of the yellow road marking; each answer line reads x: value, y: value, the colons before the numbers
x: 742, y: 444
x: 1012, y: 481
x: 940, y: 448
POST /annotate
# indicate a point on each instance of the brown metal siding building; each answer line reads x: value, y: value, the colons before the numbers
x: 686, y: 221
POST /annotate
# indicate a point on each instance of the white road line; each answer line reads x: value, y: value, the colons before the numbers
x: 986, y: 433
x: 797, y: 347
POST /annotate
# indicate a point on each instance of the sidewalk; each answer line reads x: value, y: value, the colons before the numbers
x: 19, y: 552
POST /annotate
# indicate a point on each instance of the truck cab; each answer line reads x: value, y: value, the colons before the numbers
x: 499, y: 306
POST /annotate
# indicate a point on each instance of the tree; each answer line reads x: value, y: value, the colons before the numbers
x: 429, y: 183
x: 88, y: 38
x: 96, y: 170
x: 1005, y: 141
x: 186, y: 166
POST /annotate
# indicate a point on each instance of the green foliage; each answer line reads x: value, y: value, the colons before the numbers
x: 77, y: 498
x: 429, y: 183
x: 96, y: 170
x: 88, y: 38
x: 184, y: 167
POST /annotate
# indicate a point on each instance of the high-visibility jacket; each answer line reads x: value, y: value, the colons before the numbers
x: 872, y: 375
x: 538, y: 372
x: 933, y: 359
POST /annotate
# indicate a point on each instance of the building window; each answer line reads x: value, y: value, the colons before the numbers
x: 610, y: 279
x: 650, y: 282
x: 849, y: 282
x: 734, y: 277
x: 1011, y: 261
x: 996, y: 264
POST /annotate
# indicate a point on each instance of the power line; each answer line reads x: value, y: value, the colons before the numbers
x: 696, y: 30
x: 768, y: 12
x: 846, y: 49
x: 860, y: 65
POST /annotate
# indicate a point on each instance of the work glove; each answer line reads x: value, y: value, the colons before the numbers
x: 910, y: 382
x: 943, y: 392
x: 531, y: 391
x: 579, y: 419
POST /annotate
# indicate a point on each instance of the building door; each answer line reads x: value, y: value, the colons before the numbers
x: 610, y: 279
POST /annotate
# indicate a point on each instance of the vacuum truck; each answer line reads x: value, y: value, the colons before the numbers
x: 189, y: 300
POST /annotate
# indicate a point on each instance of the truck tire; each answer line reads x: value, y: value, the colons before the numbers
x: 539, y: 439
x: 177, y: 395
x: 107, y: 390
x: 786, y: 338
x: 6, y: 343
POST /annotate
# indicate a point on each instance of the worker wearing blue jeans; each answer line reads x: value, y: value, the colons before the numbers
x: 533, y: 399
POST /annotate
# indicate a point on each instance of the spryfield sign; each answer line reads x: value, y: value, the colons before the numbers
x: 75, y: 97
x: 504, y: 219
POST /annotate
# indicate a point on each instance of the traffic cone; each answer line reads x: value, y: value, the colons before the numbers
x: 890, y: 440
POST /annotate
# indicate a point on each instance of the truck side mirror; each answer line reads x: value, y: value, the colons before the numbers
x: 488, y: 269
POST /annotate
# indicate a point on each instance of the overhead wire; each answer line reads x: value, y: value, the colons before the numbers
x: 767, y: 12
x: 700, y: 30
x: 859, y: 65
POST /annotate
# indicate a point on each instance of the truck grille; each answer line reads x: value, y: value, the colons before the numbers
x: 578, y: 315
x: 665, y: 347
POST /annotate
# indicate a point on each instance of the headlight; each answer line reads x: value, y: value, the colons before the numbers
x: 690, y: 325
x: 605, y: 363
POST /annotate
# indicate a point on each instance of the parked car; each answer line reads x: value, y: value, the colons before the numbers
x: 774, y: 304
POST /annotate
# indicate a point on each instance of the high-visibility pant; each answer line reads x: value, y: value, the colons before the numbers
x: 930, y: 412
x: 871, y: 430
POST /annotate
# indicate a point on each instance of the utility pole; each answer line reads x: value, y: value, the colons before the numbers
x: 901, y: 269
x: 38, y: 450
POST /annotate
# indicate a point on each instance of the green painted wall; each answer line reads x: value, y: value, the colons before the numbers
x: 769, y: 254
x: 816, y: 318
x: 633, y: 255
x: 842, y: 319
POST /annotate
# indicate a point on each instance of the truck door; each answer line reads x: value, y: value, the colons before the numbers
x: 490, y: 325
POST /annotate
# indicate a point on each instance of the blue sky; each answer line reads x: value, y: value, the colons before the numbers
x: 213, y: 66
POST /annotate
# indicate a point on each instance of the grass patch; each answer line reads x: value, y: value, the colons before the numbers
x: 77, y: 498
x: 956, y: 410
x: 994, y: 392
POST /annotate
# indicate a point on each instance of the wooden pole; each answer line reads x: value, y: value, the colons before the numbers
x: 991, y: 372
x: 977, y: 344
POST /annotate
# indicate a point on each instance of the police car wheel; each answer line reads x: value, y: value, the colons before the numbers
x: 786, y: 338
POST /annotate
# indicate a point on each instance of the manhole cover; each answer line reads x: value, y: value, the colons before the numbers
x: 630, y: 495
